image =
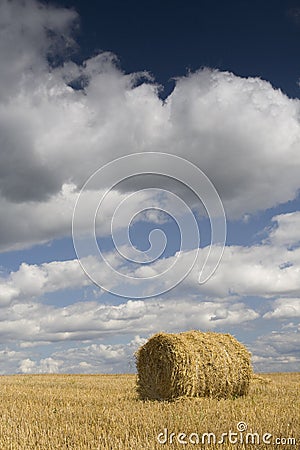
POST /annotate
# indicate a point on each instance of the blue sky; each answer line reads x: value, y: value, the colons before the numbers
x: 84, y: 83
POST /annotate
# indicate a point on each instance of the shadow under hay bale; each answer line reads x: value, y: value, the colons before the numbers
x: 192, y: 364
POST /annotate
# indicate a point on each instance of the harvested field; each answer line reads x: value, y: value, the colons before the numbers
x: 84, y: 412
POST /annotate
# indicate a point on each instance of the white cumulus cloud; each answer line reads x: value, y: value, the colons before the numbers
x: 284, y: 308
x: 241, y: 132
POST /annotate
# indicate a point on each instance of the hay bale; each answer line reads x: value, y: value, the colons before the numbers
x: 193, y: 364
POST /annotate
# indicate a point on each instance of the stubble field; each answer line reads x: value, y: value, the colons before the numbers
x: 58, y: 412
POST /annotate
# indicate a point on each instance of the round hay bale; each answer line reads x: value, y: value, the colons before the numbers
x: 193, y: 364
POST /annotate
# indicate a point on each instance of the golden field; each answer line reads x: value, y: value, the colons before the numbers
x: 103, y: 412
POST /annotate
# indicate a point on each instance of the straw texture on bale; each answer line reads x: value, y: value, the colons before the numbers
x: 193, y: 364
